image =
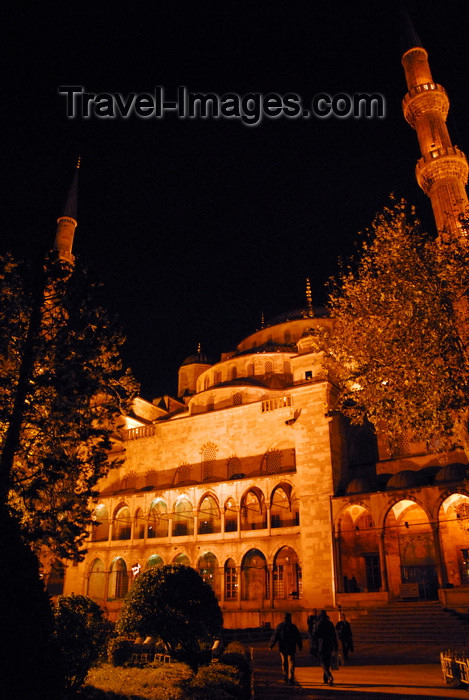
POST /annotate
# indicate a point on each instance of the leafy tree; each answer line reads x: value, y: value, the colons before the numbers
x: 81, y: 633
x: 173, y: 603
x: 401, y: 334
x: 63, y: 388
x: 29, y: 665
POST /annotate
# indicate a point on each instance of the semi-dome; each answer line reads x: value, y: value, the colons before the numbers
x: 407, y: 479
x: 451, y: 472
x: 363, y: 484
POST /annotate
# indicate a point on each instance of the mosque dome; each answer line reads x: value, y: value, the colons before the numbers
x: 198, y: 359
x: 362, y: 484
x: 406, y: 479
x: 451, y: 472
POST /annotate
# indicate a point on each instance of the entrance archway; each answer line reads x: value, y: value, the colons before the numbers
x: 410, y: 551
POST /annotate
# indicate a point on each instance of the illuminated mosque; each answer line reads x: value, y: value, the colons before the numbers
x: 276, y: 500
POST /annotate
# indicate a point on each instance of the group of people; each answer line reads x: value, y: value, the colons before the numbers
x: 324, y: 642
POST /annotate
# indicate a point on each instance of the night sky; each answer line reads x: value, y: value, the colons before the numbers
x: 197, y: 227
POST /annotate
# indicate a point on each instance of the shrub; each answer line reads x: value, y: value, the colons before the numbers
x: 236, y: 655
x: 175, y: 604
x: 217, y: 680
x: 119, y: 651
x: 81, y: 632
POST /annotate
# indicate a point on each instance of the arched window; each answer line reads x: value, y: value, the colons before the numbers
x: 183, y: 474
x: 182, y: 559
x: 100, y: 527
x: 287, y: 575
x: 97, y: 580
x: 122, y: 524
x: 269, y: 367
x: 183, y: 518
x: 237, y: 399
x: 251, y: 370
x: 234, y: 468
x: 154, y: 560
x: 151, y: 478
x: 118, y: 579
x: 209, y: 460
x: 231, y: 580
x: 55, y: 578
x: 287, y: 367
x: 231, y: 516
x: 208, y: 569
x: 129, y: 481
x: 209, y: 516
x: 139, y: 527
x: 157, y: 519
x: 253, y: 511
x: 210, y: 403
x: 287, y: 337
x: 273, y: 461
x: 255, y: 576
x: 280, y: 510
x: 234, y: 373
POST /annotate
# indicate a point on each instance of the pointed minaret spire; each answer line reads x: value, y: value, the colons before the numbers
x: 442, y: 171
x: 309, y: 299
x: 67, y: 223
x: 409, y: 37
x: 199, y: 348
x: 262, y: 320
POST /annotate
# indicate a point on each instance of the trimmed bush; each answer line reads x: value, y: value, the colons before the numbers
x: 215, y: 681
x: 175, y: 604
x: 81, y: 633
x: 119, y: 651
x: 236, y: 655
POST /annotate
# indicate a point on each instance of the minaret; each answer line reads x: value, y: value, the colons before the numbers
x: 309, y: 299
x: 442, y: 170
x: 66, y: 225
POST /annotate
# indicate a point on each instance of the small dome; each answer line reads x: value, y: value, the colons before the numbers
x: 199, y: 359
x: 406, y: 479
x: 360, y: 485
x: 452, y: 472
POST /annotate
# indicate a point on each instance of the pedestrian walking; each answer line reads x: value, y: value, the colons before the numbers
x: 288, y: 637
x: 325, y: 638
x: 344, y: 634
x: 311, y: 621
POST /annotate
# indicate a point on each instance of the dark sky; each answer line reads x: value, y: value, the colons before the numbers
x: 197, y: 227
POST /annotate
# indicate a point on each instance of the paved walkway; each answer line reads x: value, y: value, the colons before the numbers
x: 368, y: 675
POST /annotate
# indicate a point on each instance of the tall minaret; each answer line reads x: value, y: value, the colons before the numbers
x: 66, y: 225
x: 442, y: 170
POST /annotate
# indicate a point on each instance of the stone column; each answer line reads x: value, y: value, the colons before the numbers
x: 382, y: 562
x: 440, y: 561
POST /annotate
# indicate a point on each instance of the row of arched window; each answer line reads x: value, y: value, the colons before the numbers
x: 252, y: 514
x: 218, y: 376
x: 251, y: 579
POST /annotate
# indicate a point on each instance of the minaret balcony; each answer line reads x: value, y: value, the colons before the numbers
x: 428, y: 97
x: 440, y: 164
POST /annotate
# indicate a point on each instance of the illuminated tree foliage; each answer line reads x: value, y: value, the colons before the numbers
x: 175, y: 604
x: 62, y: 387
x: 401, y: 332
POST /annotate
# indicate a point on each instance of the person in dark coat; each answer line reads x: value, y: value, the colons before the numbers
x: 344, y: 633
x: 311, y: 621
x: 288, y: 637
x: 325, y: 639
